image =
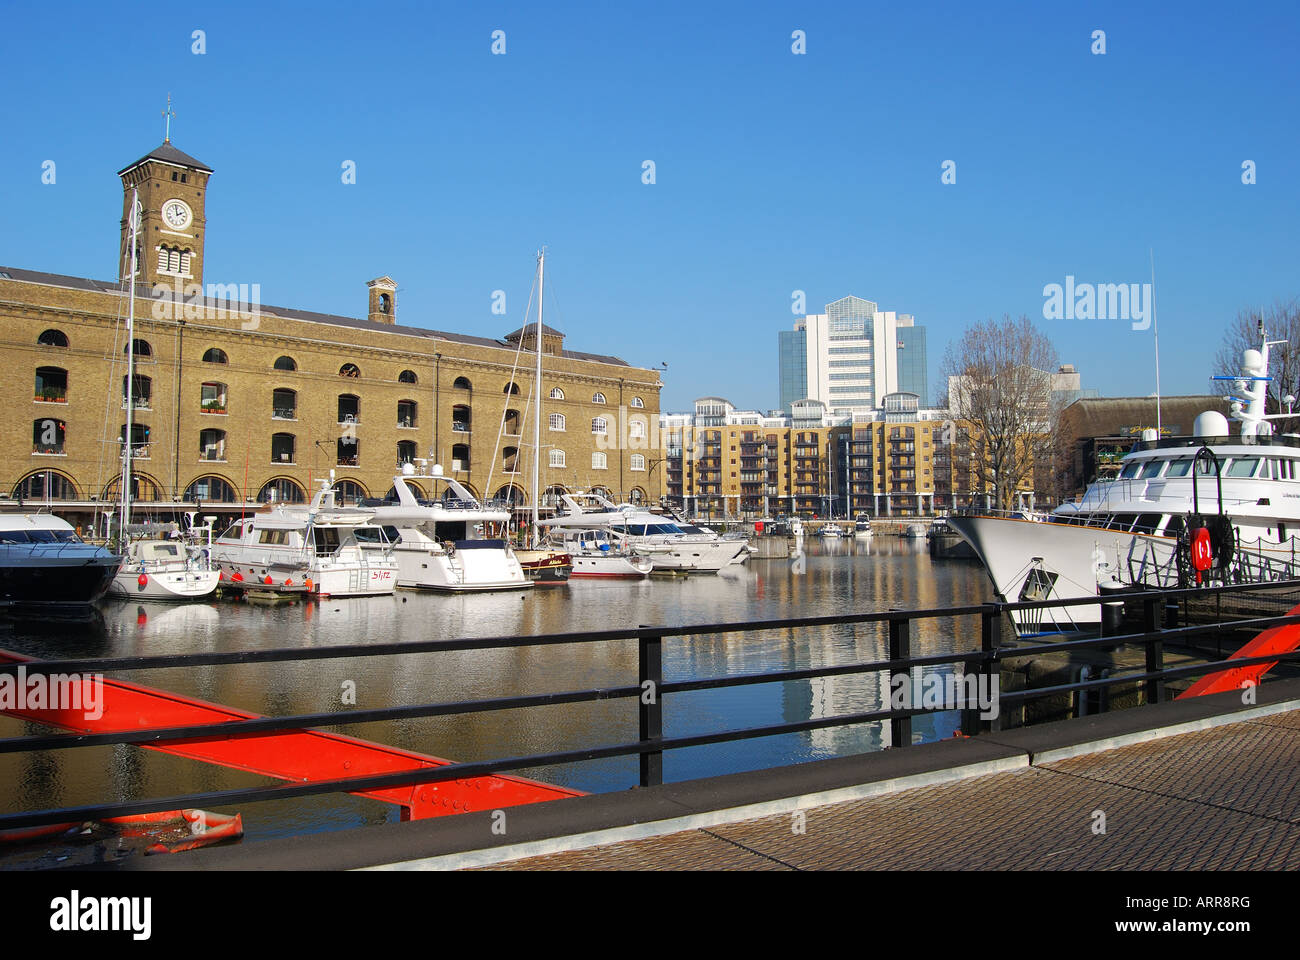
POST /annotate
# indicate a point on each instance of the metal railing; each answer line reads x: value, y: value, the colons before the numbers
x: 649, y: 692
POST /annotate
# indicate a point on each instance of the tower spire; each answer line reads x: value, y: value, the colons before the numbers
x: 167, y: 120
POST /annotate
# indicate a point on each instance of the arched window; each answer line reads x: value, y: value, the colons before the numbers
x: 348, y: 492
x: 637, y: 496
x: 460, y: 418
x: 143, y: 487
x: 283, y: 448
x: 51, y: 385
x: 284, y: 404
x: 349, y: 408
x: 600, y: 425
x: 551, y: 498
x: 211, y: 488
x: 511, y: 388
x: 406, y: 452
x: 406, y: 413
x: 48, y: 436
x: 512, y: 423
x: 636, y: 429
x: 557, y: 421
x: 282, y: 490
x: 53, y: 338
x: 599, y: 460
x: 602, y: 492
x: 213, y: 355
x: 286, y: 363
x: 460, y: 457
x: 212, y: 397
x: 510, y: 460
x: 637, y: 461
x: 139, y: 392
x: 45, y: 485
x: 142, y: 348
x: 349, y: 370
x: 598, y: 398
x: 462, y: 383
x: 349, y: 451
x: 557, y: 458
x: 139, y: 439
x: 557, y: 393
x: 212, y: 445
x: 407, y: 376
x: 510, y: 495
x: 636, y: 402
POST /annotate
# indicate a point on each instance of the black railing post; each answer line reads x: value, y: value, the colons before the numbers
x: 1155, y: 661
x: 900, y: 648
x: 650, y: 711
x: 990, y: 640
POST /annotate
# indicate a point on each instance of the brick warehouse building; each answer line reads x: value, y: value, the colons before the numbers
x: 237, y: 402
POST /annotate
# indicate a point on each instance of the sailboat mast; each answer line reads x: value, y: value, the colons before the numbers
x: 125, y: 482
x: 537, y: 421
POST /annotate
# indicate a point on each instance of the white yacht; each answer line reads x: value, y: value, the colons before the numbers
x: 168, y: 568
x: 451, y: 542
x: 669, y: 547
x: 1185, y: 510
x: 314, y: 551
x: 599, y: 552
x: 831, y: 530
x: 862, y: 528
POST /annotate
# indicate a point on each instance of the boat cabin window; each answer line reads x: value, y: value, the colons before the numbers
x: 1121, y: 521
x: 1130, y: 470
x: 1174, y: 527
x: 325, y: 539
x: 1179, y: 468
x: 652, y: 529
x: 274, y: 538
x: 450, y: 531
x: 38, y: 536
x: 1147, y: 523
x: 375, y: 534
x: 1152, y: 468
x: 1284, y: 470
x: 1242, y: 467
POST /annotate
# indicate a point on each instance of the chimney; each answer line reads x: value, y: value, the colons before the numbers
x: 383, y: 301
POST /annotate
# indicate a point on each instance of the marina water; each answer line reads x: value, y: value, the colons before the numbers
x: 837, y: 577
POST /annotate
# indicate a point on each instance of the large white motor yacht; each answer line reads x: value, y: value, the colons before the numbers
x: 1184, y: 510
x: 451, y: 542
x: 314, y: 550
x: 667, y: 545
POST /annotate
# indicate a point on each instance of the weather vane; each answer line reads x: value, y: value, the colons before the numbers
x: 167, y: 117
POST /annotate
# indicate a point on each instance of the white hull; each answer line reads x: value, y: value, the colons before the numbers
x: 164, y: 586
x: 464, y: 570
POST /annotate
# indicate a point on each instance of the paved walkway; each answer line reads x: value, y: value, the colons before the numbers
x: 1218, y: 799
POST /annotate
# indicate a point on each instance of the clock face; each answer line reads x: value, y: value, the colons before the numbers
x: 177, y: 214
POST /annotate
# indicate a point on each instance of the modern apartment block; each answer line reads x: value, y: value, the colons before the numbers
x: 851, y: 357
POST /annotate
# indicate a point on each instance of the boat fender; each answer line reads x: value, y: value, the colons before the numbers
x: 310, y: 586
x: 142, y: 580
x: 288, y: 581
x: 267, y: 581
x: 237, y: 577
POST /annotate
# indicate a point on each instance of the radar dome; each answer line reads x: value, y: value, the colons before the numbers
x: 1253, y: 362
x: 1210, y: 424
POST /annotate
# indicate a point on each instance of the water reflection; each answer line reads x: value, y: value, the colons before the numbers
x: 829, y: 577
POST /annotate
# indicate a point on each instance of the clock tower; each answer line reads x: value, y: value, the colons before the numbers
x: 171, y: 188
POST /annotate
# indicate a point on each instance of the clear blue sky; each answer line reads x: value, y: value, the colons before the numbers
x: 775, y: 172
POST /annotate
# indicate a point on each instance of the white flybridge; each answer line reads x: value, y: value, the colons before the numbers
x: 451, y: 542
x: 660, y: 539
x: 1184, y: 510
x: 153, y: 568
x: 315, y: 550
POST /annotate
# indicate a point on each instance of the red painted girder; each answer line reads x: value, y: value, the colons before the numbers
x: 300, y: 756
x: 1281, y: 639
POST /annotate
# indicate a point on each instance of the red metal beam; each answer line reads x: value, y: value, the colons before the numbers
x: 1282, y: 639
x: 301, y: 756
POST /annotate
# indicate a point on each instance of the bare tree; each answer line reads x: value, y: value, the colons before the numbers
x: 1280, y: 322
x: 1000, y: 382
